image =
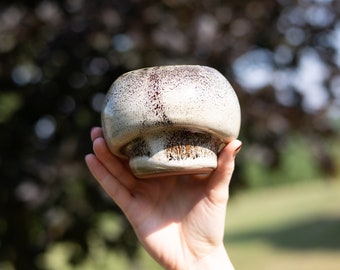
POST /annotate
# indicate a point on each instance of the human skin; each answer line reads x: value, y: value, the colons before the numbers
x: 179, y: 220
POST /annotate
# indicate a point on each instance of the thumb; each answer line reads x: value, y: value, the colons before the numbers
x: 218, y: 186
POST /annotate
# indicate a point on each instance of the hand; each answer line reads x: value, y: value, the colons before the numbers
x: 178, y: 219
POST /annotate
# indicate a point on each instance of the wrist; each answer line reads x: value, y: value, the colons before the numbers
x: 217, y: 260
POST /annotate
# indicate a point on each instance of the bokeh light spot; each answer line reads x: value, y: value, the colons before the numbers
x: 45, y: 127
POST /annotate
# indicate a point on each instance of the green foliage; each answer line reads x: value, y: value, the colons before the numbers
x: 108, y: 227
x: 9, y: 103
x: 298, y: 163
x: 333, y: 148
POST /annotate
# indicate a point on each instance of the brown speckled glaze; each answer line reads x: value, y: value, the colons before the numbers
x: 170, y: 120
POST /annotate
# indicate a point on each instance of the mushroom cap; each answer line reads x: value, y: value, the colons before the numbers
x: 153, y: 99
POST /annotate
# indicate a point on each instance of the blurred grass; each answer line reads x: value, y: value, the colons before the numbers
x: 284, y: 227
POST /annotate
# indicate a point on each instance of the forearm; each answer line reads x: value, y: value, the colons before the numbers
x: 218, y: 260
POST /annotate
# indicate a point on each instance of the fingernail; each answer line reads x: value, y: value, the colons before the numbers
x: 238, y: 149
x: 91, y: 134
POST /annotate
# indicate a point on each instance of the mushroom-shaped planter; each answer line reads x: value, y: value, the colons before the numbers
x: 170, y: 120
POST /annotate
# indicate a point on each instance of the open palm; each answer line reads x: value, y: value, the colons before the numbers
x: 178, y: 219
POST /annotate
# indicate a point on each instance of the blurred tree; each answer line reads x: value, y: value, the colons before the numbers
x: 58, y: 58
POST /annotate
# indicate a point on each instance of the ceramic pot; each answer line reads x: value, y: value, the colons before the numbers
x: 170, y: 120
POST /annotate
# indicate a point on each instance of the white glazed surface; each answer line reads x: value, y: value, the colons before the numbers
x: 149, y: 101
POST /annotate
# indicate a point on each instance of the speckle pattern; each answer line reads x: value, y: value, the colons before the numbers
x: 173, y: 152
x: 137, y: 148
x: 195, y: 101
x: 183, y: 144
x: 154, y: 92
